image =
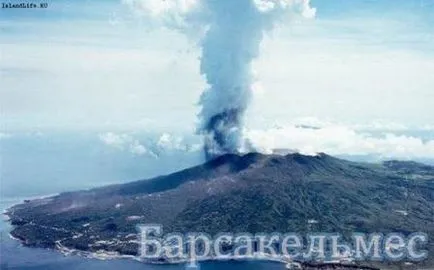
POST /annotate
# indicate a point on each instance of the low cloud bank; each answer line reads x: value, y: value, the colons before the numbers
x: 340, y: 140
x: 378, y: 141
x: 154, y: 147
x: 124, y: 142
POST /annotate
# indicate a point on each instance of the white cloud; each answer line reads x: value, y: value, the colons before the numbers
x: 138, y: 149
x: 115, y: 140
x: 163, y: 144
x: 168, y: 141
x: 339, y: 140
x: 125, y: 142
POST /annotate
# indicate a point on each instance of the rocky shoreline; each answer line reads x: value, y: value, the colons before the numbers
x: 289, y: 265
x: 108, y: 255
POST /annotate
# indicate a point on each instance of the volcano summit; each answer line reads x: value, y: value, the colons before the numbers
x: 237, y: 193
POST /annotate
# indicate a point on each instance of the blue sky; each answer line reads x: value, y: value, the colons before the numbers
x: 95, y: 65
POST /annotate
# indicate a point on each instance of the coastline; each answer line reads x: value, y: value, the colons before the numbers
x: 105, y: 255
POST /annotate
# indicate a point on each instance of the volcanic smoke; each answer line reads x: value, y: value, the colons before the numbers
x: 232, y: 33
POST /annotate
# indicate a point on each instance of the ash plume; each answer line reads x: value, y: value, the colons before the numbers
x: 230, y: 35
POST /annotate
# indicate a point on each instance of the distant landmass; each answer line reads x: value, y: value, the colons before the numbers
x: 238, y: 193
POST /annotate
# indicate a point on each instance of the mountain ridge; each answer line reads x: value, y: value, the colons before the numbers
x: 237, y: 193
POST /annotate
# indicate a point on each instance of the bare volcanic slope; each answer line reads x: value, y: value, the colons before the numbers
x: 232, y: 193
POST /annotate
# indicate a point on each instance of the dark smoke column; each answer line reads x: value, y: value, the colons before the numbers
x: 229, y: 34
x: 223, y: 133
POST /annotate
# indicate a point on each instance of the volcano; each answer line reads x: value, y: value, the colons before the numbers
x: 237, y: 193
